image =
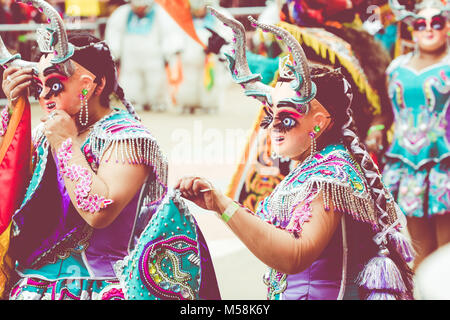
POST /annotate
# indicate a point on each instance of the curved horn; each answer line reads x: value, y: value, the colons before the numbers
x: 7, y: 59
x: 238, y: 64
x: 62, y: 49
x: 443, y: 7
x: 303, y: 83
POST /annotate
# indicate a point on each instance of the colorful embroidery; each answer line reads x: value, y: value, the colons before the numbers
x: 4, y: 115
x: 276, y: 284
x: 165, y: 263
x: 332, y: 171
x: 335, y: 174
x: 420, y: 102
x: 66, y: 289
x: 160, y: 267
x: 85, y: 201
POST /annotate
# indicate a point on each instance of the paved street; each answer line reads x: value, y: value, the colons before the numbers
x: 210, y: 145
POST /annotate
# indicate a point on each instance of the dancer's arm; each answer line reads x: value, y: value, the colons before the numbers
x: 276, y: 248
x: 115, y: 182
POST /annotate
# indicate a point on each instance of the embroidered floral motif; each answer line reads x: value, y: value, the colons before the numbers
x: 300, y: 214
x: 90, y: 157
x: 4, y: 120
x: 66, y: 289
x: 85, y: 201
x: 440, y: 189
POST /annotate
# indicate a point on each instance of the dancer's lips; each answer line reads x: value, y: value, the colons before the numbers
x: 51, y: 105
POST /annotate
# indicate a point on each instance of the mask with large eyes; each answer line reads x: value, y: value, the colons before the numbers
x: 55, y: 85
x: 285, y: 121
x: 267, y: 120
x: 437, y: 22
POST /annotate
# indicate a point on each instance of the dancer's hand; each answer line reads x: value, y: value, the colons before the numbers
x: 202, y: 193
x: 16, y: 82
x: 58, y: 127
x: 374, y: 141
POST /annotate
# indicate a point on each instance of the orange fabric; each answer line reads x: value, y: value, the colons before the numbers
x: 175, y: 78
x: 180, y: 11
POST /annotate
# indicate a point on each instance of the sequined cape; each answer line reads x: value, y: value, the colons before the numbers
x: 332, y: 171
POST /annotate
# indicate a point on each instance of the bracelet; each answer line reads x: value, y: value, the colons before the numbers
x: 229, y: 211
x: 4, y: 120
x: 377, y: 127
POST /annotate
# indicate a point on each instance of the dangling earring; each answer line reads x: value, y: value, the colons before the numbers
x: 83, y: 105
x: 312, y: 135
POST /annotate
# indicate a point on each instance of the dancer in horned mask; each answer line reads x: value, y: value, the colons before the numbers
x: 330, y: 229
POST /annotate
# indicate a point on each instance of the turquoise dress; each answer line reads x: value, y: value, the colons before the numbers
x: 417, y: 162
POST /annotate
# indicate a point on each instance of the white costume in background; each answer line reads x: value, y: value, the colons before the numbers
x: 432, y: 277
x: 142, y: 45
x: 192, y: 92
x: 270, y: 15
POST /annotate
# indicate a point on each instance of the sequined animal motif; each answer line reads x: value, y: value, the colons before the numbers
x: 161, y: 270
x: 165, y: 264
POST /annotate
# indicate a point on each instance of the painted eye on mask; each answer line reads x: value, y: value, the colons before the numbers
x: 289, y: 122
x: 420, y: 24
x: 265, y: 123
x: 438, y: 22
x: 39, y: 89
x: 286, y: 123
x: 56, y: 87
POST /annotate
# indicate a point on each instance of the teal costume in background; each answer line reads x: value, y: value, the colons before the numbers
x: 142, y: 26
x: 387, y: 38
x: 418, y: 161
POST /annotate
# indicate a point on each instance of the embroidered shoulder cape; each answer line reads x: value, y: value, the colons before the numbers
x: 335, y: 173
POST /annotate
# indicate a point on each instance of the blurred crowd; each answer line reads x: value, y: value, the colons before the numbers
x: 136, y: 19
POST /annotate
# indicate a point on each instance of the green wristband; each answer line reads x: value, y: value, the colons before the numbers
x: 229, y: 211
x: 377, y: 127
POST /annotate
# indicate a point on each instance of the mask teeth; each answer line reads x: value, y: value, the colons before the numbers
x: 300, y: 64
